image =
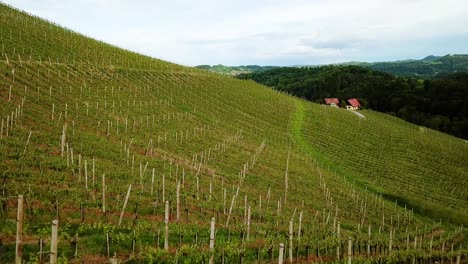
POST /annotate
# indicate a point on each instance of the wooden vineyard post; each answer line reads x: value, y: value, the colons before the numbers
x: 198, y: 187
x: 211, y: 190
x: 27, y: 143
x: 125, y: 204
x: 7, y: 124
x: 224, y: 201
x: 68, y: 155
x: 53, y: 242
x: 350, y: 245
x: 19, y: 231
x: 141, y: 175
x: 338, y: 236
x: 152, y: 182
x: 178, y: 202
x: 278, y: 211
x: 166, y: 227
x: 390, y: 242
x: 369, y: 241
x: 248, y: 222
x: 79, y: 168
x: 230, y: 209
x: 63, y: 140
x: 104, y: 193
x: 290, y: 241
x: 212, y: 239
x: 40, y: 250
x: 164, y: 187
x: 260, y: 203
x: 299, y: 228
x: 281, y: 250
x: 107, y: 245
x: 86, y: 173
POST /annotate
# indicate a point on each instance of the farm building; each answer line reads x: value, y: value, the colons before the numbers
x: 353, y: 104
x: 332, y: 102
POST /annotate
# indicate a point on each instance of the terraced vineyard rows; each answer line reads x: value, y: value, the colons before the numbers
x: 410, y: 163
x: 136, y: 158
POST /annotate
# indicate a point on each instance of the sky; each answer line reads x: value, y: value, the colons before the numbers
x: 267, y: 32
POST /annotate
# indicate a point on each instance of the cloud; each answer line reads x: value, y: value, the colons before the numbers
x: 266, y: 31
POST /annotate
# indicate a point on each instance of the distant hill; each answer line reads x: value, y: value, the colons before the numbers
x: 426, y: 68
x: 430, y: 58
x: 235, y: 70
x: 429, y: 67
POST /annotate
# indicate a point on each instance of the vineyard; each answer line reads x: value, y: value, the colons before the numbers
x: 109, y: 156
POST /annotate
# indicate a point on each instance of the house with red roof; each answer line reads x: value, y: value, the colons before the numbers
x: 353, y: 104
x: 332, y: 102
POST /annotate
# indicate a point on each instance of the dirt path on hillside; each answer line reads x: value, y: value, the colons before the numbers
x: 359, y: 114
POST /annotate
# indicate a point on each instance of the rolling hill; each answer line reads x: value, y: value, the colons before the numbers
x: 426, y: 68
x: 138, y: 159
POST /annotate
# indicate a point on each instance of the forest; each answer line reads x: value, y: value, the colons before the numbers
x: 438, y: 103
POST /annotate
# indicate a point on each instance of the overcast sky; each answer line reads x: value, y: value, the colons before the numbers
x: 267, y: 32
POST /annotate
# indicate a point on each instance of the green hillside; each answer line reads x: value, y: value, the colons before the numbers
x: 427, y: 68
x: 103, y: 139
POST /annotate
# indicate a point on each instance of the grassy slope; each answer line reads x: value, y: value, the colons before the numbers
x: 124, y: 111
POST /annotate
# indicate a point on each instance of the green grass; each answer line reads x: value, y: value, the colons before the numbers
x: 209, y: 127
